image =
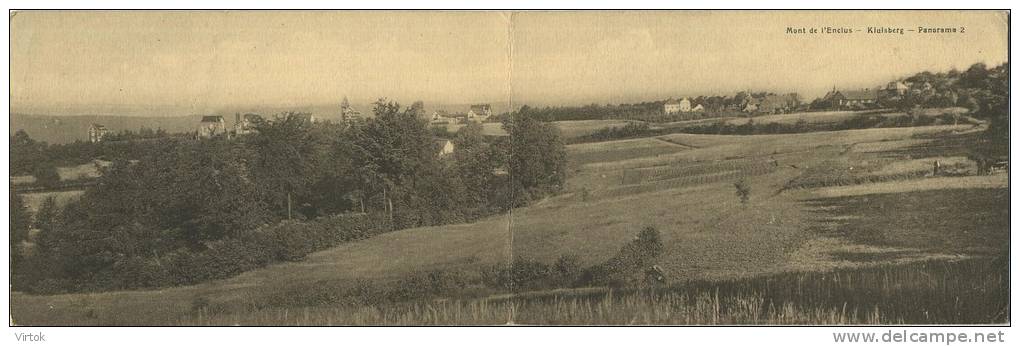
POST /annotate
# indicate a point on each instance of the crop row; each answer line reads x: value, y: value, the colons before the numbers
x: 750, y: 167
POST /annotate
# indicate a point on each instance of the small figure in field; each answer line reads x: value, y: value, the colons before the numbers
x: 743, y: 191
x: 935, y: 168
x: 655, y: 275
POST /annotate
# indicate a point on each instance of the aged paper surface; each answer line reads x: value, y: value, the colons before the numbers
x: 515, y: 167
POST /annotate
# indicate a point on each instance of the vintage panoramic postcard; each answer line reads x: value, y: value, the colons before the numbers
x: 321, y: 168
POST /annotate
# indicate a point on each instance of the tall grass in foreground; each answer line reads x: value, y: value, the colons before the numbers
x: 974, y: 291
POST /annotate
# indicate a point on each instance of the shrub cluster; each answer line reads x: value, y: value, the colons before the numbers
x: 425, y: 285
x: 626, y: 268
x: 629, y: 266
x: 527, y: 274
x: 285, y: 241
x: 631, y: 130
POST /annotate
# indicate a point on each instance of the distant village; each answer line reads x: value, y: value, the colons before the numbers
x: 685, y: 108
x: 210, y: 126
x: 213, y: 126
x: 768, y: 103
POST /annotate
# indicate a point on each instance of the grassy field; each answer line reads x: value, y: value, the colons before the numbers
x: 79, y: 172
x: 36, y: 199
x: 813, y: 117
x: 785, y: 236
x: 578, y: 128
x: 580, y: 154
x: 84, y: 171
x: 971, y: 291
x: 569, y: 129
x: 928, y: 292
x: 488, y: 129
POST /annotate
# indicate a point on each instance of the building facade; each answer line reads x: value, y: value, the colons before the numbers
x: 348, y: 114
x: 444, y: 147
x: 96, y: 133
x: 441, y: 117
x: 479, y: 113
x: 244, y: 124
x: 672, y: 106
x: 685, y: 105
x: 851, y: 99
x: 211, y: 125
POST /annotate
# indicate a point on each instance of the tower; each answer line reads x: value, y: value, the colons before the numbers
x: 348, y: 114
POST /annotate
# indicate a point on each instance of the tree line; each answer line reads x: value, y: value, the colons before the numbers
x: 172, y: 206
x: 653, y: 111
x: 41, y: 159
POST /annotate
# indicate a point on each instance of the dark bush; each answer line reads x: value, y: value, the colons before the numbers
x: 320, y: 293
x: 291, y: 240
x: 523, y: 274
x: 428, y: 285
x: 568, y: 267
x: 631, y: 130
x: 629, y: 264
x: 52, y: 286
x: 46, y: 176
x: 141, y: 272
x: 743, y: 191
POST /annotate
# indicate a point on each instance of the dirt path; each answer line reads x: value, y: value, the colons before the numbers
x: 1000, y: 180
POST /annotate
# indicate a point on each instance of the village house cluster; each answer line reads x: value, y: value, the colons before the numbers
x: 872, y: 98
x: 845, y: 99
x: 476, y: 113
x: 672, y: 106
x: 767, y: 104
x: 856, y: 99
x: 214, y: 125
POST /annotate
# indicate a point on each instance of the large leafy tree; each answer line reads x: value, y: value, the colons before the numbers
x: 337, y: 187
x: 537, y: 154
x: 397, y: 156
x: 285, y: 153
x: 219, y: 194
x: 476, y: 161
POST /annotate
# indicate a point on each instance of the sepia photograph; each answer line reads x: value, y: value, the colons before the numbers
x: 510, y: 167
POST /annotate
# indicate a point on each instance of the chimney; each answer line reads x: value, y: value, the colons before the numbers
x: 237, y: 118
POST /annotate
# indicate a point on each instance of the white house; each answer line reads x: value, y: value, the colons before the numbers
x: 671, y: 106
x: 479, y: 113
x: 445, y: 147
x: 243, y: 123
x: 442, y: 118
x: 897, y: 88
x: 211, y: 125
x: 96, y: 133
x: 685, y: 105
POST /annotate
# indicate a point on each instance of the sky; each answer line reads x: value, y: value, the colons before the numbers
x: 81, y: 62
